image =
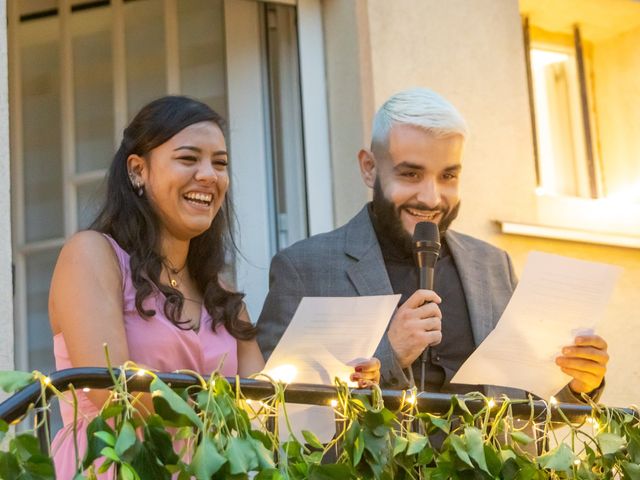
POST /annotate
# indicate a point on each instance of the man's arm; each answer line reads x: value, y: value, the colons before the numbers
x: 285, y: 292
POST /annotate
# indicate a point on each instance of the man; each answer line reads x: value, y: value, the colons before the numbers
x: 414, y: 168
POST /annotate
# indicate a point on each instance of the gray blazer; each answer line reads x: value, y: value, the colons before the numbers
x: 348, y: 262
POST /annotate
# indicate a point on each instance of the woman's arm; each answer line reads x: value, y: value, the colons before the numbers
x: 250, y: 359
x: 86, y: 304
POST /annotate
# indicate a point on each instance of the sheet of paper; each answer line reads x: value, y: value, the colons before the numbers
x: 556, y: 299
x: 326, y: 337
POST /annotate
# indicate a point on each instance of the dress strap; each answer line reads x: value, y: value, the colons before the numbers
x: 123, y: 258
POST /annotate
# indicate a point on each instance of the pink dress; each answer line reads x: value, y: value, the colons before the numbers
x: 155, y: 343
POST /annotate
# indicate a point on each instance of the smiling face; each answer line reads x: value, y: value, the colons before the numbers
x: 185, y: 179
x: 416, y: 179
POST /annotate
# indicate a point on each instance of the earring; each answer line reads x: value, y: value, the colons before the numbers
x: 136, y: 184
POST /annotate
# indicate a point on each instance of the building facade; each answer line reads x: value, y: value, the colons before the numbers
x: 299, y: 82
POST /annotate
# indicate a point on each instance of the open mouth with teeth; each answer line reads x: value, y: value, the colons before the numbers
x: 200, y: 199
x: 424, y: 215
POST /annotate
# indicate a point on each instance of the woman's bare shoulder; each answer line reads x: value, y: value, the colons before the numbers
x: 90, y: 246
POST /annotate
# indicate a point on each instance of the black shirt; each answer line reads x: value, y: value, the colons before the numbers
x: 443, y: 360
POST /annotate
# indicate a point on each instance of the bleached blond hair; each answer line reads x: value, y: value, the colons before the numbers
x: 418, y: 107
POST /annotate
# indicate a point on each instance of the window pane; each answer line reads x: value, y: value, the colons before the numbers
x: 90, y: 198
x: 93, y: 88
x: 286, y: 124
x: 39, y: 270
x: 42, y: 168
x: 202, y: 51
x: 145, y: 46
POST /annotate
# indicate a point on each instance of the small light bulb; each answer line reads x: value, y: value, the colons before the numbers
x: 86, y: 389
x: 284, y: 373
x: 249, y: 402
x: 553, y: 401
x: 47, y: 381
x: 411, y: 399
x: 491, y: 403
x: 142, y: 372
x: 576, y: 461
x: 333, y: 403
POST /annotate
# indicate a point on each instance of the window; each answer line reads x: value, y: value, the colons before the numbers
x: 583, y: 67
x: 81, y: 69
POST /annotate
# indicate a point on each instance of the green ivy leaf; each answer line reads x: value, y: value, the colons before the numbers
x: 126, y: 440
x: 106, y: 437
x: 475, y: 447
x: 493, y: 460
x: 459, y: 402
x: 610, y: 443
x: 631, y: 470
x: 269, y: 474
x: 111, y: 410
x: 375, y: 445
x: 95, y: 443
x: 312, y: 439
x: 146, y: 464
x: 240, y: 455
x: 521, y: 438
x: 560, y: 458
x: 158, y: 441
x: 425, y: 456
x: 128, y: 473
x: 4, y: 428
x: 171, y: 407
x: 292, y: 448
x: 358, y: 448
x: 507, y: 454
x: 440, y: 423
x: 9, y: 468
x: 25, y: 446
x: 11, y: 380
x: 206, y: 460
x: 330, y: 472
x: 399, y: 445
x: 416, y: 443
x: 110, y: 453
x: 105, y: 465
x: 459, y: 448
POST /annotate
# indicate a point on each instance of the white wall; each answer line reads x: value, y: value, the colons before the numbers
x: 473, y: 54
x: 350, y: 98
x: 6, y: 284
x: 616, y: 68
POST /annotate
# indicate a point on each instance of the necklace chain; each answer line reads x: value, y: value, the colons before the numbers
x: 174, y: 282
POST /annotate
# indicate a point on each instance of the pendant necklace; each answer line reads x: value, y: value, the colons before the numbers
x: 173, y: 281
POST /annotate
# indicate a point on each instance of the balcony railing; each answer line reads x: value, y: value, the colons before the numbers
x: 16, y: 406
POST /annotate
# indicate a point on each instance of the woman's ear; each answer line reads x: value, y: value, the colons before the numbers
x: 367, y: 167
x: 137, y: 169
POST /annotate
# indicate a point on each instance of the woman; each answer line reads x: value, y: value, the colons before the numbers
x: 145, y: 278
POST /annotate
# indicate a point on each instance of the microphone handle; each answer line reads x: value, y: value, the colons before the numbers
x: 426, y: 278
x: 426, y: 283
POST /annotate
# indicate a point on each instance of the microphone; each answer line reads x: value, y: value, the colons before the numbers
x: 426, y: 248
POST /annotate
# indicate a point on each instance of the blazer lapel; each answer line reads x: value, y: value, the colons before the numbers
x: 368, y: 273
x: 476, y: 291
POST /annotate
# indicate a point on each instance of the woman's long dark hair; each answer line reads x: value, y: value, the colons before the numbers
x: 132, y: 222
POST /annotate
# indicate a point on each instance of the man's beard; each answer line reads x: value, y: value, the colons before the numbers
x: 388, y: 218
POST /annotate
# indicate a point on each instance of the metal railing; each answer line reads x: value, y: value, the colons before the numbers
x: 16, y: 406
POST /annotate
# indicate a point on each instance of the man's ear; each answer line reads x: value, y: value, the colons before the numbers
x: 137, y: 168
x: 367, y: 167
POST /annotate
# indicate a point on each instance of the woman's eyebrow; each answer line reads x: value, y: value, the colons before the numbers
x: 198, y: 150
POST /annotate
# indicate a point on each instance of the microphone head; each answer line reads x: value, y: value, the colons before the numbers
x: 426, y: 244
